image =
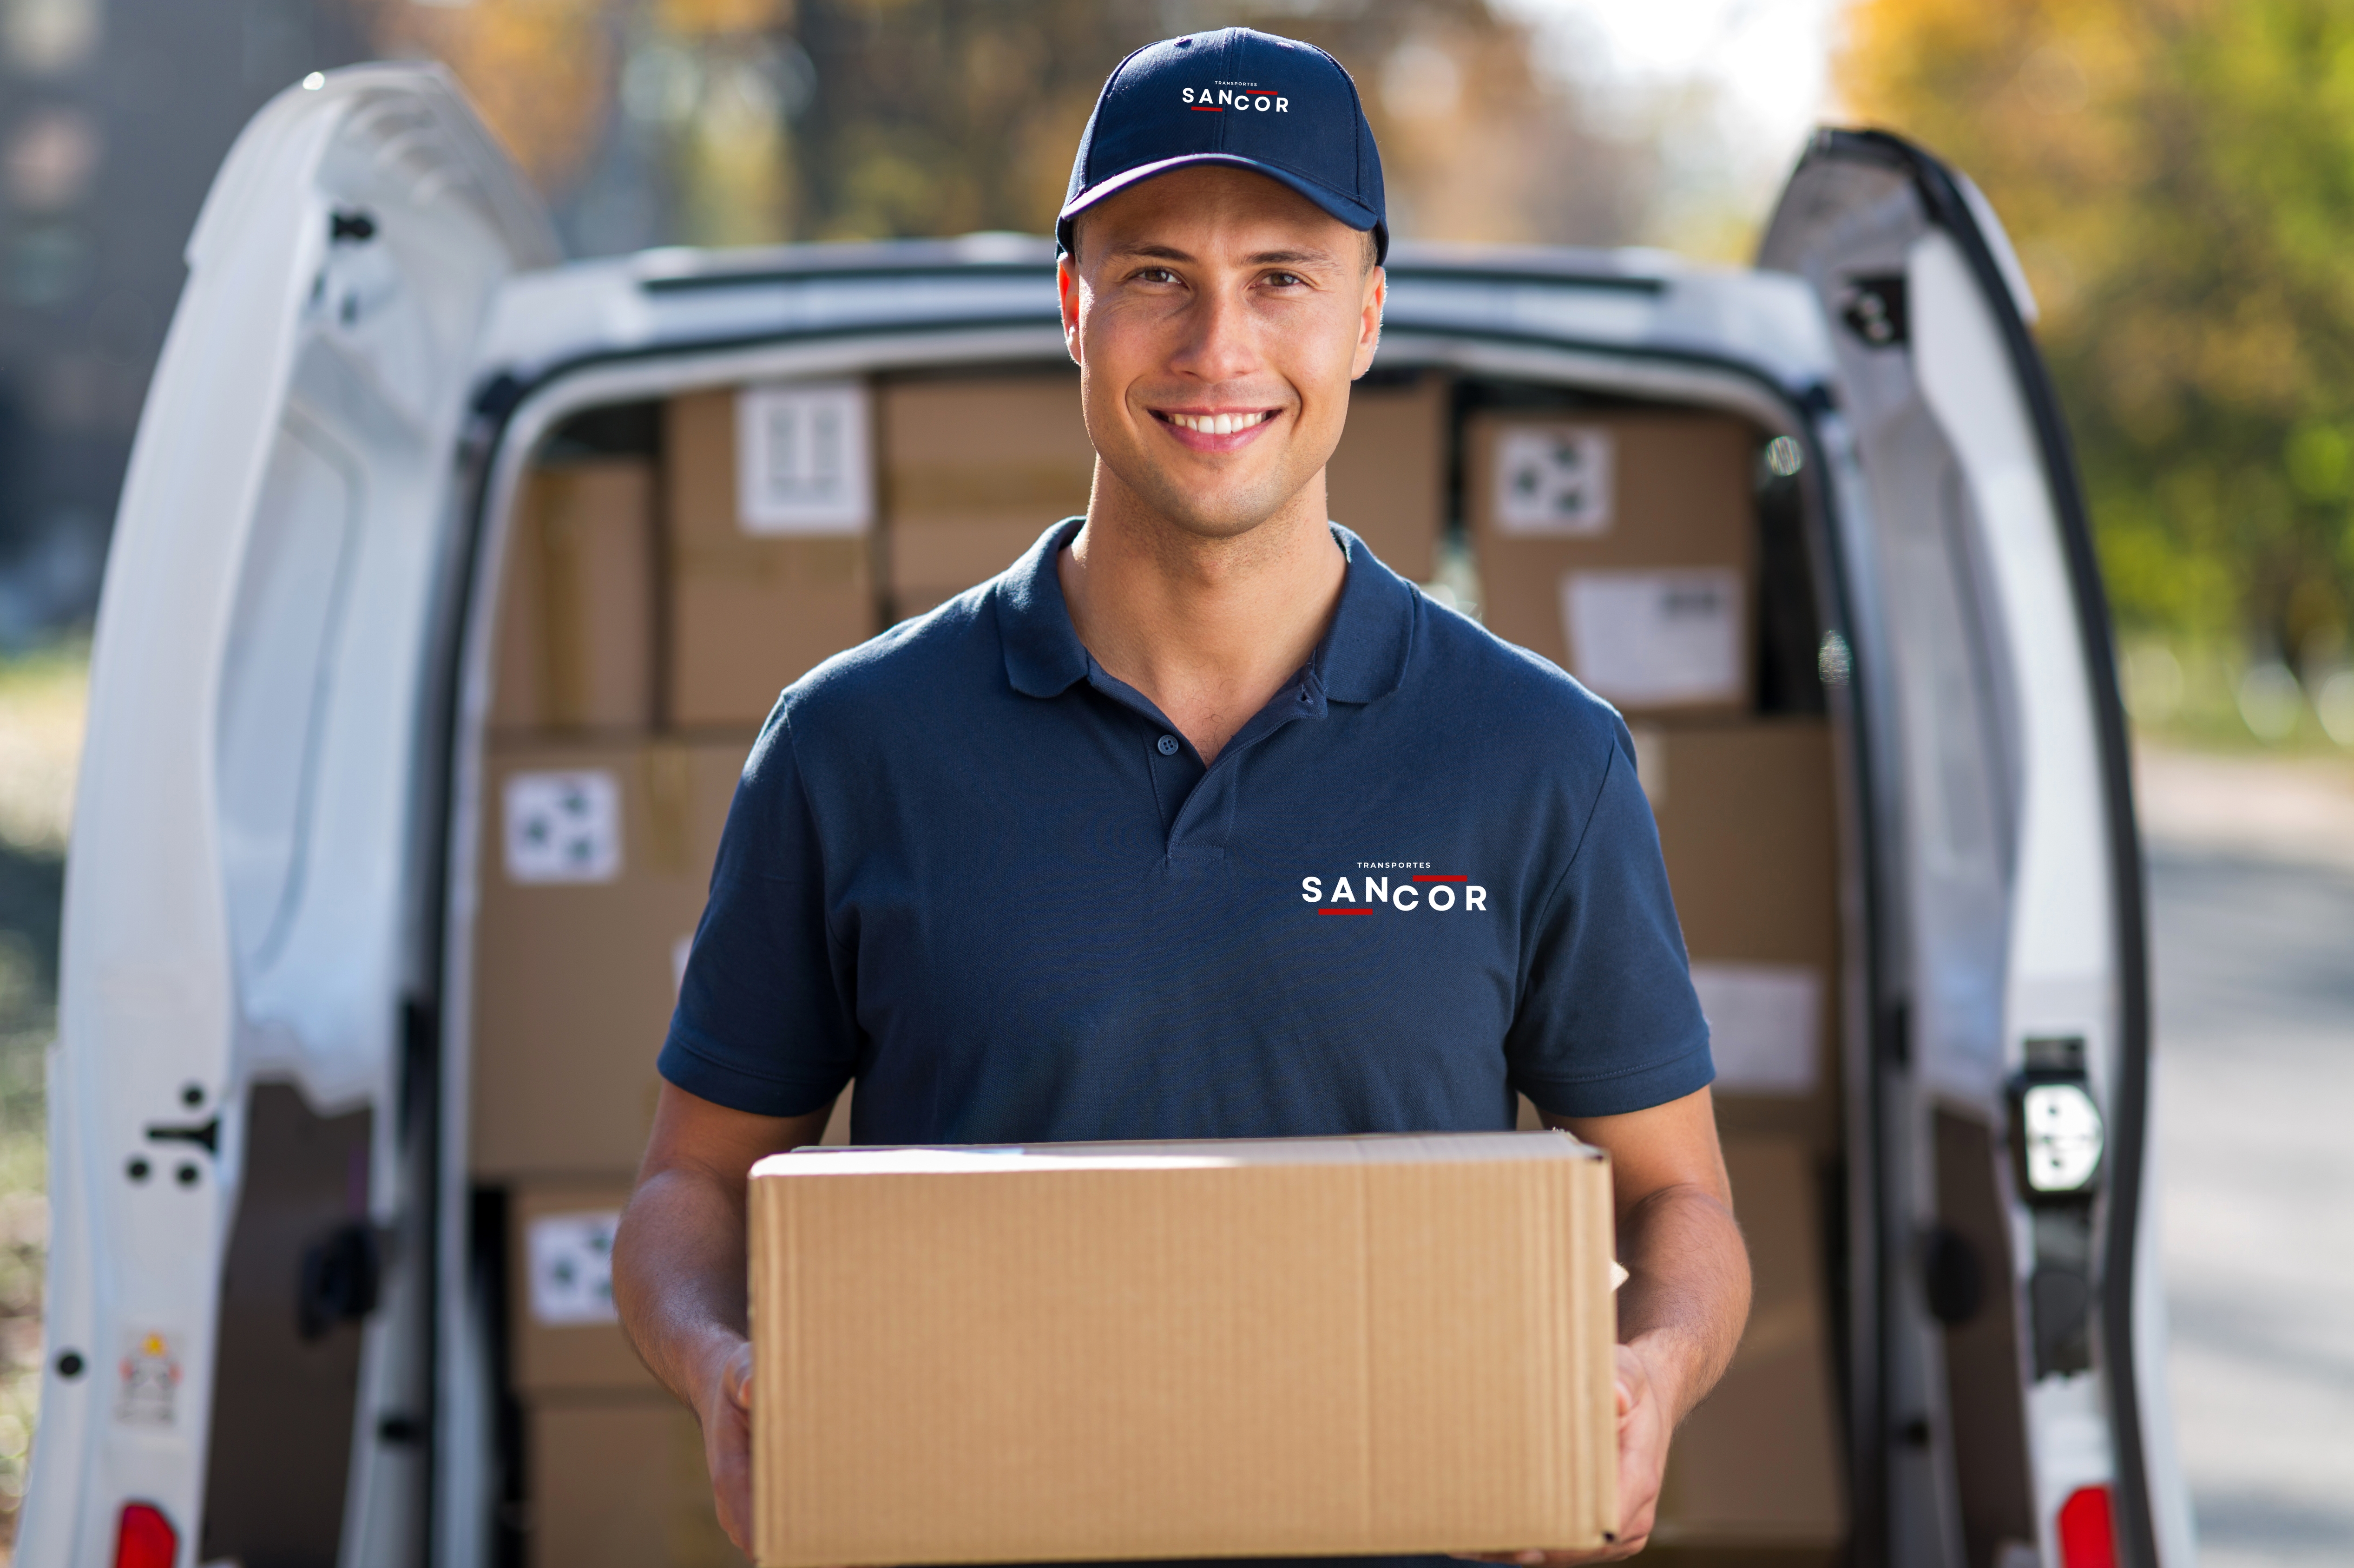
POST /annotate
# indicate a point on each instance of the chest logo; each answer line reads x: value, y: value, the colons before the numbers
x: 1370, y: 891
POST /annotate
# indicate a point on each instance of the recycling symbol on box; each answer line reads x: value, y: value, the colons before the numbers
x: 1553, y: 478
x: 563, y: 827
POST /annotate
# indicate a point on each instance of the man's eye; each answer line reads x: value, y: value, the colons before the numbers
x: 1285, y: 280
x: 1155, y: 275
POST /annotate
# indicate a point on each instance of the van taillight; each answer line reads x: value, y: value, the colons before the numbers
x: 145, y: 1539
x: 2088, y: 1533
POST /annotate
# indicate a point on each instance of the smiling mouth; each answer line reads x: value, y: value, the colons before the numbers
x: 1218, y: 424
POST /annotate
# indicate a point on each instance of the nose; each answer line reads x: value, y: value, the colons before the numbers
x: 1220, y: 345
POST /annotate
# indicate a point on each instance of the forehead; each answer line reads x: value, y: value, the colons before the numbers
x: 1209, y: 205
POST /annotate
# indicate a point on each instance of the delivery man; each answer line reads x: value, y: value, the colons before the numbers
x: 1197, y: 821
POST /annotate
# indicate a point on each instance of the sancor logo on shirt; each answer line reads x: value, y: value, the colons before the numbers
x: 1245, y: 96
x: 1407, y: 886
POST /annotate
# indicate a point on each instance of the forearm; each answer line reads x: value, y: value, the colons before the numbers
x: 1687, y: 1295
x: 679, y: 1276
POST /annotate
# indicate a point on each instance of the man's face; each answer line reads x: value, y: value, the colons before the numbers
x: 1218, y: 318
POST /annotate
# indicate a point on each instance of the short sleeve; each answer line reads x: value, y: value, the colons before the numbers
x: 763, y: 1022
x: 1607, y: 1021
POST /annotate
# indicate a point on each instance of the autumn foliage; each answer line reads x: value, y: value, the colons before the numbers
x: 2179, y: 176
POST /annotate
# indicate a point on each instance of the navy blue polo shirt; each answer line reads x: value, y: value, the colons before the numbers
x: 994, y: 885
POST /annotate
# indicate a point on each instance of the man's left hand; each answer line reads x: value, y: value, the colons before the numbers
x: 1644, y: 1427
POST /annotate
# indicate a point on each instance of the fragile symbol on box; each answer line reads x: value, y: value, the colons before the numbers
x: 1651, y: 638
x: 571, y: 1258
x: 563, y: 827
x: 801, y: 463
x: 1554, y: 480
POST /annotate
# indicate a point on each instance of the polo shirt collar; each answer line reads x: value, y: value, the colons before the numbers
x: 1363, y: 656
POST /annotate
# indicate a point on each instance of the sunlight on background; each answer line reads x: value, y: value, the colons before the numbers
x: 1730, y: 87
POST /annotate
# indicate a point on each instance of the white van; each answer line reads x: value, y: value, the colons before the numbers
x: 366, y: 805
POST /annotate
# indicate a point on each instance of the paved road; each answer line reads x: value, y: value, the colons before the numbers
x: 2255, y: 956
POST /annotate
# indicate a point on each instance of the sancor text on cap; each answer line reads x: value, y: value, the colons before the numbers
x: 1244, y: 99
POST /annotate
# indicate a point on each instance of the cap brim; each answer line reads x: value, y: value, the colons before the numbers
x: 1347, y: 209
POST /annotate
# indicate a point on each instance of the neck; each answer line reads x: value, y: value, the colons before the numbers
x: 1208, y: 628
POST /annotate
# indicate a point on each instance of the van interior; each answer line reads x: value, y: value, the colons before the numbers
x: 668, y: 565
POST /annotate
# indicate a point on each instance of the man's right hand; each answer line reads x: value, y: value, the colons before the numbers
x: 679, y: 1273
x: 725, y: 1408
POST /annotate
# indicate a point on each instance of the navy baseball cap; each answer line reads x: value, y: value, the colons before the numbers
x: 1244, y: 98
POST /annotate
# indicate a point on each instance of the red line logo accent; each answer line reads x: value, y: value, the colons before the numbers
x: 1423, y: 876
x: 1207, y: 109
x: 1344, y: 911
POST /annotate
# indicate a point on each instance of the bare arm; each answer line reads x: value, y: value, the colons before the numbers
x: 1686, y: 1297
x: 679, y: 1273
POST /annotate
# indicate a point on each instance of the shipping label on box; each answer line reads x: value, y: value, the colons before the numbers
x: 1306, y: 1346
x: 1658, y: 638
x: 1763, y: 1022
x: 1554, y: 481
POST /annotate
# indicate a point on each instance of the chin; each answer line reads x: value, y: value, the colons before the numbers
x: 1227, y: 512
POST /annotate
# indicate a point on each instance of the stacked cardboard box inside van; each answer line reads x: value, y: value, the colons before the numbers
x: 1624, y: 546
x: 653, y: 601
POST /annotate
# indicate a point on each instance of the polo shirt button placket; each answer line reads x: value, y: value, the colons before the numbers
x: 1168, y: 746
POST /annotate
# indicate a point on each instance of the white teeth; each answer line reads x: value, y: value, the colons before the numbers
x: 1219, y: 424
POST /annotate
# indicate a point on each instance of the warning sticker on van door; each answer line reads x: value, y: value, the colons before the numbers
x: 147, y: 1390
x: 571, y: 1259
x: 563, y: 827
x: 1554, y: 481
x: 1652, y: 639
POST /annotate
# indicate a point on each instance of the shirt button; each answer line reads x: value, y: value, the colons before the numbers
x: 1168, y: 746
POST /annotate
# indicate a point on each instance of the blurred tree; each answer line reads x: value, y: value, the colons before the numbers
x: 854, y: 119
x: 539, y: 70
x: 2179, y: 175
x: 941, y: 116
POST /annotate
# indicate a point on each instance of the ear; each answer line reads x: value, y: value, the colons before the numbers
x: 1066, y: 294
x: 1369, y: 320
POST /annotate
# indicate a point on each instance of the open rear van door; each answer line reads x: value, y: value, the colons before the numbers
x: 240, y: 1097
x: 2009, y: 1403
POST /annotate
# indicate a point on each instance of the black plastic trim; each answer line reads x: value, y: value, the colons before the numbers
x: 1942, y: 198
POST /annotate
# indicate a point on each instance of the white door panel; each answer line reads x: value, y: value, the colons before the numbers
x: 2011, y: 951
x: 241, y: 877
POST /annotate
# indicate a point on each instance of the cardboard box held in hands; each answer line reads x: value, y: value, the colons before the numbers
x: 1308, y: 1346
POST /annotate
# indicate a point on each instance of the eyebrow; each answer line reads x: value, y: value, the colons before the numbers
x: 1297, y: 258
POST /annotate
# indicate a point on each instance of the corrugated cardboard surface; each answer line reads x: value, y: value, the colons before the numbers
x: 621, y: 1483
x: 577, y: 607
x: 1758, y: 1462
x: 564, y: 1357
x: 574, y: 983
x: 1387, y: 478
x: 1748, y: 828
x: 974, y: 468
x: 1683, y: 498
x: 1347, y: 1345
x: 748, y: 614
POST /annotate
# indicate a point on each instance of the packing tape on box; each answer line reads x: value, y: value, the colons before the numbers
x: 669, y: 808
x: 772, y: 563
x: 945, y: 492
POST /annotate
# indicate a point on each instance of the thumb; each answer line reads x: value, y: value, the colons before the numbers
x: 738, y: 1379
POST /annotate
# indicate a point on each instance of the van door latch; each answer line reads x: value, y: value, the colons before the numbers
x: 339, y: 1278
x: 206, y: 1136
